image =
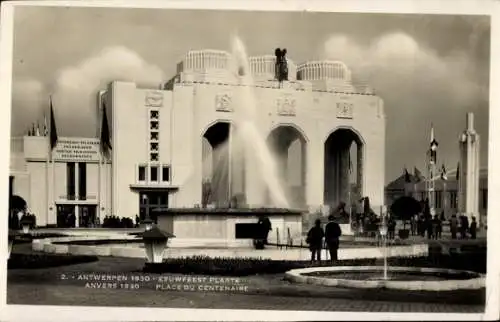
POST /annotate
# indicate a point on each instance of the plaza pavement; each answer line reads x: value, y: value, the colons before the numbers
x: 43, y: 287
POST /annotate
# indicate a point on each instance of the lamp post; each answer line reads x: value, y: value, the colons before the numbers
x: 155, y: 242
x: 383, y: 233
x: 147, y: 222
x: 26, y: 223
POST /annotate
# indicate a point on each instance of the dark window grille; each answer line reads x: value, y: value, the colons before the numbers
x: 70, y: 180
x: 82, y: 181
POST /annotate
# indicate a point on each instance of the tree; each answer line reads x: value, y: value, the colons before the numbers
x: 405, y: 208
x: 17, y: 203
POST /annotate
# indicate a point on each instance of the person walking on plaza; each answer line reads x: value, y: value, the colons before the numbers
x: 473, y: 228
x: 439, y: 228
x: 428, y: 227
x: 413, y: 225
x: 421, y: 226
x: 332, y: 236
x: 466, y: 223
x: 315, y: 240
x: 435, y: 227
x: 391, y: 227
x: 463, y: 227
x: 453, y: 226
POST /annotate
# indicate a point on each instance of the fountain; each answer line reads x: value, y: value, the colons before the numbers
x: 400, y: 278
x: 244, y: 153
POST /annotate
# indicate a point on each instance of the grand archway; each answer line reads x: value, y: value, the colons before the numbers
x: 343, y: 168
x: 223, y: 166
x: 288, y: 146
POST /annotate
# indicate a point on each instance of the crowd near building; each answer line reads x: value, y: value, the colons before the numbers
x: 461, y: 192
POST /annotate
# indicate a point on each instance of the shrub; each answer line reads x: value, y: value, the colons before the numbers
x: 34, y: 261
x: 117, y: 222
x: 204, y: 265
x: 98, y: 242
x: 24, y: 239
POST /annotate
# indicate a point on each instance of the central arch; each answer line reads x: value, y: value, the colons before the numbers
x: 288, y: 146
x: 215, y: 156
x: 343, y: 164
x: 223, y: 173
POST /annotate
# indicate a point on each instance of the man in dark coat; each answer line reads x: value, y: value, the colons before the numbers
x: 332, y: 236
x: 315, y: 240
x: 473, y: 228
x: 265, y: 227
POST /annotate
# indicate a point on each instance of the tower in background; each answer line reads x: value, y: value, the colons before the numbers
x: 468, y: 183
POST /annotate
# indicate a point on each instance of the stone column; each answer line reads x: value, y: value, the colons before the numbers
x: 254, y: 185
x: 315, y: 171
x: 468, y: 194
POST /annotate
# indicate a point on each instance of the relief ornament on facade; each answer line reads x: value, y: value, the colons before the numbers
x: 345, y: 110
x: 223, y: 103
x: 154, y: 99
x: 286, y: 106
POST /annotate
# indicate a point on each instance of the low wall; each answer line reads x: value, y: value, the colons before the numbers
x: 197, y: 224
x: 136, y: 251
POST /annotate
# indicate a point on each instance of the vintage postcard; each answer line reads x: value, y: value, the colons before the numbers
x: 209, y: 161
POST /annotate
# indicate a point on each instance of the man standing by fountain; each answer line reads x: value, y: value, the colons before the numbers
x: 332, y: 237
x: 315, y: 240
x: 265, y: 227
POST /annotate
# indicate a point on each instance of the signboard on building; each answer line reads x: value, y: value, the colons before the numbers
x: 76, y: 150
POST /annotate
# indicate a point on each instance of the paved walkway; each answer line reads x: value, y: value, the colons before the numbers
x: 72, y: 295
x: 44, y: 287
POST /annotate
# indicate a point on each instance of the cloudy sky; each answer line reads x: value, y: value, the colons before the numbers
x: 426, y: 68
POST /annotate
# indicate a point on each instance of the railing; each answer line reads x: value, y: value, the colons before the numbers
x: 289, y: 240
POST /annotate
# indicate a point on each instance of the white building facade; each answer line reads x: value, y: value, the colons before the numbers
x: 71, y: 180
x: 161, y: 139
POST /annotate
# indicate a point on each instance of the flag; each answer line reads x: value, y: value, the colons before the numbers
x: 444, y: 176
x: 105, y: 135
x: 457, y: 175
x: 350, y: 163
x: 407, y: 176
x: 52, y: 129
x: 417, y: 174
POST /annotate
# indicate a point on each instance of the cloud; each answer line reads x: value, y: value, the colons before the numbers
x: 76, y: 87
x: 28, y: 98
x: 418, y: 87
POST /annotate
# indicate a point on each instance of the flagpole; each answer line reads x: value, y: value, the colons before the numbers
x: 47, y: 166
x: 52, y: 124
x: 230, y: 165
x: 444, y: 199
x: 99, y: 165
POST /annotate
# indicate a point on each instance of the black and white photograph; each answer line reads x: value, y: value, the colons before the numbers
x: 286, y: 160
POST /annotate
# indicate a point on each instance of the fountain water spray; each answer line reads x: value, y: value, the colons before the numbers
x: 383, y: 233
x: 246, y: 133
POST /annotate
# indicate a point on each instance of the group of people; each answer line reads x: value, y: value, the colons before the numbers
x: 432, y: 227
x: 461, y: 225
x: 429, y: 226
x: 330, y: 236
